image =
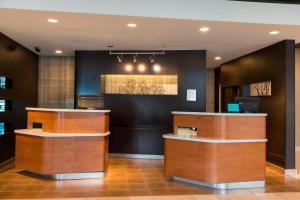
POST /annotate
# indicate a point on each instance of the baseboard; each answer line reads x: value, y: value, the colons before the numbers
x: 138, y: 156
x: 290, y: 172
x: 286, y: 172
x: 7, y: 163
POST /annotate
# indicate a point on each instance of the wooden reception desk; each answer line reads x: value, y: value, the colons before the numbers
x: 72, y: 143
x: 228, y: 152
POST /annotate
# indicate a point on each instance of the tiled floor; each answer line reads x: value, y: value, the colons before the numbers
x: 139, y: 177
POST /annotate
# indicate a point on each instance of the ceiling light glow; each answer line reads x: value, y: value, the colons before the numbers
x: 57, y: 51
x: 204, y: 29
x: 52, y: 21
x: 131, y: 25
x: 218, y: 58
x: 274, y: 32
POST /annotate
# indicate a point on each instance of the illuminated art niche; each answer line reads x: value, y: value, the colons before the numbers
x: 139, y: 84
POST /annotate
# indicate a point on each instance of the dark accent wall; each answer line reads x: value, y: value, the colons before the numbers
x: 21, y: 66
x: 275, y: 63
x: 137, y: 122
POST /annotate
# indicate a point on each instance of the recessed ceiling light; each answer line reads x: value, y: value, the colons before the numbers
x: 218, y: 58
x: 142, y: 68
x: 58, y: 51
x: 274, y: 32
x: 128, y: 67
x: 52, y: 21
x: 131, y: 25
x: 156, y: 68
x: 204, y: 29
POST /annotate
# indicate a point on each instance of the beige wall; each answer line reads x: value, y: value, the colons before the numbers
x: 56, y: 82
x: 297, y: 94
x: 210, y: 90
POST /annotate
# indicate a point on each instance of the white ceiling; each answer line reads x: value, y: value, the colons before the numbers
x: 213, y: 10
x: 78, y: 31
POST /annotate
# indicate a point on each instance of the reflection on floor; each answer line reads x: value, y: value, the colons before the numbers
x: 137, y: 177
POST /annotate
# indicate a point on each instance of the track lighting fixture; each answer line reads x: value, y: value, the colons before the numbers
x: 120, y: 58
x: 134, y: 58
x: 151, y: 58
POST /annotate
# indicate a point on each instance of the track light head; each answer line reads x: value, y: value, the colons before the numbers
x: 151, y: 58
x: 134, y: 58
x: 119, y: 59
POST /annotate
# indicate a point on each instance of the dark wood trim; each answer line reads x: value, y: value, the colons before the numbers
x: 290, y: 106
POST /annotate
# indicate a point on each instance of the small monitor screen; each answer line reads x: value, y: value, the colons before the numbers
x: 248, y: 104
x: 2, y: 105
x: 2, y: 82
x: 233, y: 107
x: 90, y: 102
x: 2, y: 131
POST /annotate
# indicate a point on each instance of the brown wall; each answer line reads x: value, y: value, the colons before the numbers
x: 277, y: 64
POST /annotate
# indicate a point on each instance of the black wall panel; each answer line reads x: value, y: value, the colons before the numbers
x: 21, y: 66
x: 138, y: 121
x: 275, y: 63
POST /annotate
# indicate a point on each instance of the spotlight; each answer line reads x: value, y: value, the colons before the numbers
x: 141, y: 68
x: 128, y: 68
x: 134, y: 58
x: 152, y: 60
x: 156, y: 68
x: 119, y: 58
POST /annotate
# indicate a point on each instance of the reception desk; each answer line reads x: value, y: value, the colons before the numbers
x: 69, y: 143
x: 227, y: 152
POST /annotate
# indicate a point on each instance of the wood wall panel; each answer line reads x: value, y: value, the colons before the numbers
x: 215, y: 163
x: 61, y: 155
x: 223, y: 127
x: 70, y: 122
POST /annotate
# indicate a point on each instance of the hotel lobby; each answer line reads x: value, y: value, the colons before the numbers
x: 149, y: 100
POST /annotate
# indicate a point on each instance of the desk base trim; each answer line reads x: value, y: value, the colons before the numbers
x: 77, y: 176
x: 138, y: 156
x: 223, y: 186
x: 66, y: 176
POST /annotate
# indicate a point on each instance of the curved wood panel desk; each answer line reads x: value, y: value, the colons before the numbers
x: 72, y: 144
x: 228, y: 152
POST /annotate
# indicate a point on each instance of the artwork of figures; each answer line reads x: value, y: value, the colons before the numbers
x: 139, y: 84
x: 261, y: 89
